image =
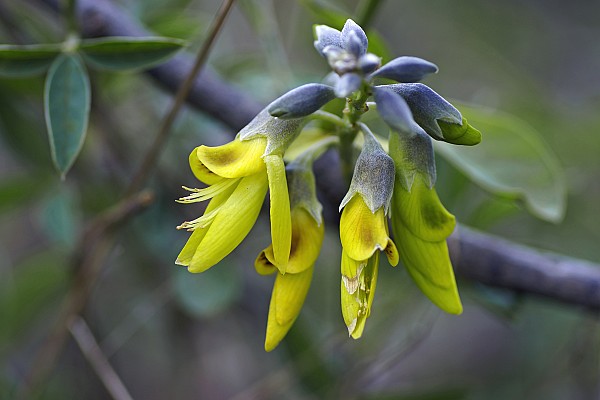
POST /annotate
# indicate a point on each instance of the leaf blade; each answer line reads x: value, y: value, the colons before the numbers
x: 128, y: 53
x: 67, y: 99
x: 513, y: 160
x: 28, y: 60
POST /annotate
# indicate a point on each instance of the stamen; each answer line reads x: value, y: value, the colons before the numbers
x: 207, y: 192
x: 201, y: 222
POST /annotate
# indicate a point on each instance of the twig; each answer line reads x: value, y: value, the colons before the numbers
x: 90, y: 349
x: 95, y: 246
x: 88, y: 259
x: 180, y: 97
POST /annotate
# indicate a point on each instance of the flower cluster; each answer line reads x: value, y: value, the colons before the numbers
x: 397, y: 184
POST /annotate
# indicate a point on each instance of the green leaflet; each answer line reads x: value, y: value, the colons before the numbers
x: 67, y: 104
x: 511, y: 160
x: 22, y: 61
x: 127, y: 53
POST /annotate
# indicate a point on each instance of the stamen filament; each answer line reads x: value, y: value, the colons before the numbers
x: 201, y: 222
x: 207, y: 192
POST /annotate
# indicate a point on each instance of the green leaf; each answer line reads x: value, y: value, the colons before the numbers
x: 21, y: 61
x: 208, y: 293
x: 512, y: 160
x: 67, y: 104
x: 127, y: 53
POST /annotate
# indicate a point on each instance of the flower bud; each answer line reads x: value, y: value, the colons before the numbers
x: 405, y: 69
x: 354, y: 38
x: 427, y: 107
x: 373, y: 175
x: 327, y: 36
x: 369, y: 63
x: 393, y: 109
x: 347, y: 84
x: 301, y: 101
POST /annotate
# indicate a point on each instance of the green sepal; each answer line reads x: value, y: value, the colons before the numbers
x: 464, y: 134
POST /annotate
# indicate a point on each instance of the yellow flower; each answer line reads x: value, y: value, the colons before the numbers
x: 364, y: 231
x: 238, y: 174
x: 291, y: 287
x: 363, y: 234
x: 421, y: 225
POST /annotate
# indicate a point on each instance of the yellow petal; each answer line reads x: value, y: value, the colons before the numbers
x: 289, y: 293
x: 361, y: 231
x: 263, y: 264
x: 187, y: 253
x: 234, y: 159
x: 307, y: 237
x: 351, y: 269
x: 391, y: 251
x: 200, y: 171
x: 367, y: 294
x: 422, y: 212
x: 356, y: 307
x: 350, y: 308
x: 233, y: 222
x: 281, y: 219
x: 428, y: 263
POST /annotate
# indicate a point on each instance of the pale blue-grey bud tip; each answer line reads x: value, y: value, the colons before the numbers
x: 406, y: 69
x: 393, y: 109
x: 301, y: 101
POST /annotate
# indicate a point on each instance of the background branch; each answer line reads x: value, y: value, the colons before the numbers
x: 92, y: 352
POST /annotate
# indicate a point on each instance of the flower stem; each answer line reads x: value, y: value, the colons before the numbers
x: 71, y: 16
x: 329, y: 117
x: 356, y: 106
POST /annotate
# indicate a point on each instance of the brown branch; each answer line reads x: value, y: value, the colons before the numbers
x: 500, y: 263
x: 92, y: 352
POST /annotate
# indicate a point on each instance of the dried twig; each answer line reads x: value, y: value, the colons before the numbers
x: 92, y: 352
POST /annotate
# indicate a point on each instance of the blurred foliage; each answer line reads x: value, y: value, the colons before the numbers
x: 168, y: 336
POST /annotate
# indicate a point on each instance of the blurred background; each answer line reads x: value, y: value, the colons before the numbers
x: 171, y: 334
